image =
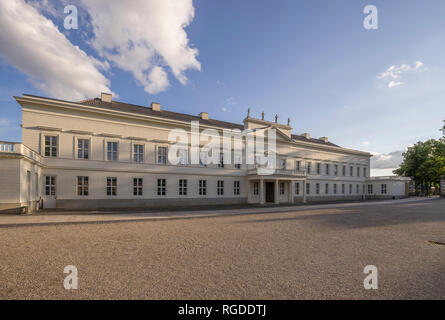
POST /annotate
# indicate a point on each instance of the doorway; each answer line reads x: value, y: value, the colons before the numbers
x: 270, y: 190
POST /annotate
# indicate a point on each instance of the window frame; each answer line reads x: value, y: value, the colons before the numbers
x: 51, y: 187
x: 138, y: 187
x: 83, y: 186
x: 112, y: 186
x: 51, y: 146
x: 161, y: 187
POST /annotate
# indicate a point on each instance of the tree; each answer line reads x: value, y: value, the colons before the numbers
x: 424, y: 162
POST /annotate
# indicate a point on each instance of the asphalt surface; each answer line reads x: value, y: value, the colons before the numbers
x: 310, y: 253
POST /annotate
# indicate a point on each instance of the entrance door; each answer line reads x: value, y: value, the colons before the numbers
x: 50, y: 192
x: 270, y: 190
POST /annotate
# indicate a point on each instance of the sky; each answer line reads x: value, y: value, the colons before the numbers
x: 377, y: 90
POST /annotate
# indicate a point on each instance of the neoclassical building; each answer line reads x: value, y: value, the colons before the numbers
x: 102, y: 153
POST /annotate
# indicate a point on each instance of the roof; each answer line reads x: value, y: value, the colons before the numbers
x: 131, y: 108
x: 318, y: 141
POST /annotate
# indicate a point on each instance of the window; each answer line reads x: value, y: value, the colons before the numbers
x: 327, y: 168
x: 50, y: 146
x: 182, y: 187
x: 221, y: 160
x: 369, y: 188
x: 363, y: 189
x: 256, y: 188
x: 297, y: 188
x: 309, y: 165
x: 237, y: 160
x: 283, y: 163
x: 137, y: 186
x: 326, y: 188
x: 236, y: 188
x: 82, y: 186
x: 343, y: 191
x: 317, y: 188
x: 298, y: 165
x: 112, y: 151
x: 83, y: 148
x: 351, y: 171
x: 344, y: 170
x: 357, y: 189
x: 50, y: 185
x: 162, y: 155
x: 161, y: 187
x: 111, y: 186
x: 308, y: 188
x: 318, y: 168
x: 335, y: 188
x: 138, y: 153
x: 220, y: 188
x: 336, y: 169
x: 383, y: 188
x: 364, y: 172
x: 350, y: 188
x: 183, y: 157
x: 358, y: 171
x: 202, y: 187
x: 281, y: 188
x: 203, y: 158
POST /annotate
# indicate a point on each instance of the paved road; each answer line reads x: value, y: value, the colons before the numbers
x: 302, y: 253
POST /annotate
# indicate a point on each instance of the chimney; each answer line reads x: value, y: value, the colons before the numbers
x: 106, y: 97
x: 204, y: 116
x: 306, y: 135
x: 156, y: 106
x: 324, y: 139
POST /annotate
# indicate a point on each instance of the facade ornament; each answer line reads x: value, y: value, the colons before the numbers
x: 276, y: 118
x: 288, y: 122
x: 262, y: 115
x: 248, y: 113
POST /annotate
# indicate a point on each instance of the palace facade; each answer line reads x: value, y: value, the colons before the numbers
x: 102, y: 153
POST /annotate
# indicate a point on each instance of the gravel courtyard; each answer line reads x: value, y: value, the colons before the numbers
x: 311, y: 254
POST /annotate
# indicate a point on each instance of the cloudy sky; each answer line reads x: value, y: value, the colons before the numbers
x: 310, y: 60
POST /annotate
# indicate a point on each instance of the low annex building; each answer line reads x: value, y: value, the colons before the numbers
x: 102, y: 153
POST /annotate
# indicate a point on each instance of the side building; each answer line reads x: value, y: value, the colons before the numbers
x: 102, y: 153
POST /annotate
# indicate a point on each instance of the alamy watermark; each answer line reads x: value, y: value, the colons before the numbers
x: 371, y: 280
x: 371, y: 21
x: 70, y: 281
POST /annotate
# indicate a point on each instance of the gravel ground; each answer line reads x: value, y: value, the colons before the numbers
x: 310, y: 254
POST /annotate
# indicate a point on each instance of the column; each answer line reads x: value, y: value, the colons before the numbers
x: 292, y: 191
x: 304, y: 191
x: 277, y: 192
x: 261, y: 191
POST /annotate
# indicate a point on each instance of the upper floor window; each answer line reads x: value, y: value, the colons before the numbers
x: 351, y: 171
x: 344, y: 170
x: 50, y: 146
x: 203, y: 158
x: 336, y: 169
x: 237, y: 159
x: 236, y: 188
x: 318, y: 168
x: 309, y: 165
x: 221, y: 160
x: 182, y: 187
x: 383, y: 188
x: 364, y: 172
x: 162, y: 155
x: 112, y: 151
x: 138, y: 153
x: 183, y: 157
x: 82, y: 186
x: 358, y: 171
x: 327, y: 168
x: 137, y: 186
x: 298, y: 165
x: 83, y: 148
x: 283, y: 163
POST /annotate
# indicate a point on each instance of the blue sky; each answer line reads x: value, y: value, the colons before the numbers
x: 312, y: 61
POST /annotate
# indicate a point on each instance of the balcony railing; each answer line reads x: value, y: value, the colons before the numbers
x: 19, y: 148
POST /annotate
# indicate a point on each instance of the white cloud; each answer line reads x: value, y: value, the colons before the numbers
x: 34, y: 45
x: 224, y: 109
x: 393, y: 74
x: 390, y: 160
x: 145, y: 37
x: 365, y: 143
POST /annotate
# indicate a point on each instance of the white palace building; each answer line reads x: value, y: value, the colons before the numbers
x: 101, y: 153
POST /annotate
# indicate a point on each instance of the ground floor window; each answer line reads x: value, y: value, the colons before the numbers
x: 335, y: 188
x: 111, y: 186
x: 82, y: 186
x: 317, y: 188
x: 308, y: 188
x: 383, y: 188
x: 182, y: 187
x: 326, y: 188
x: 50, y: 185
x: 297, y: 188
x: 236, y: 188
x: 369, y: 188
x: 256, y: 188
x: 220, y: 188
x: 161, y: 187
x: 350, y: 188
x: 357, y: 189
x: 137, y: 186
x: 281, y: 188
x: 343, y: 189
x: 202, y: 187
